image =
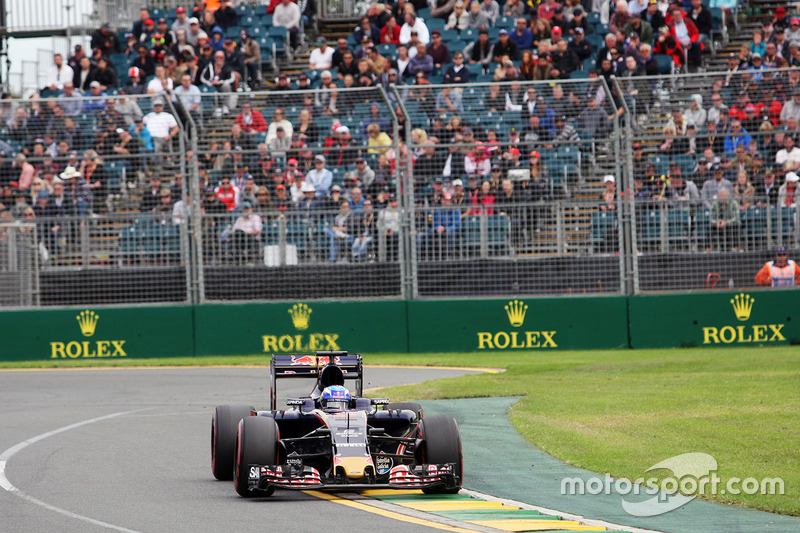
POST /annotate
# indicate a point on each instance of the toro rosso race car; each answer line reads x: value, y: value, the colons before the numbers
x: 334, y: 438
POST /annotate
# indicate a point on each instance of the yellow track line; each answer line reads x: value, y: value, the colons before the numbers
x: 383, y: 512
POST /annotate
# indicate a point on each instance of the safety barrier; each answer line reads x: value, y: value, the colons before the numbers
x: 525, y: 325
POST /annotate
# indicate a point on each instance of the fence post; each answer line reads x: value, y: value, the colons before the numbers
x: 405, y: 183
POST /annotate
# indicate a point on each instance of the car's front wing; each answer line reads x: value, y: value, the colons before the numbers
x: 263, y: 477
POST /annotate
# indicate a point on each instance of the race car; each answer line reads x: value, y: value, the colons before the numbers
x: 333, y: 439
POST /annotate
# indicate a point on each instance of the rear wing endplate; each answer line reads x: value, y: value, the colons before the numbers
x: 309, y: 366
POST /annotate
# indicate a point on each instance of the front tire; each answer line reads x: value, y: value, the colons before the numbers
x: 256, y: 444
x: 441, y: 443
x: 223, y: 438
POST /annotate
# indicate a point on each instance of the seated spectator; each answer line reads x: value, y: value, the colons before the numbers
x: 725, y: 222
x: 711, y: 187
x: 788, y: 193
x: 438, y: 50
x: 219, y: 75
x: 737, y: 136
x: 685, y: 32
x: 390, y: 33
x: 505, y: 47
x: 480, y: 51
x: 342, y: 231
x: 320, y: 177
x: 421, y: 63
x: 59, y: 74
x: 491, y: 9
x: 69, y: 100
x: 457, y: 73
x: 247, y: 235
x: 322, y: 56
x: 441, y: 238
x: 564, y: 61
x: 105, y: 40
x: 514, y: 9
x: 458, y: 17
x: 547, y: 9
x: 703, y: 21
x: 251, y: 120
x: 227, y: 193
x: 579, y: 20
x: 366, y: 30
x: 378, y: 141
x: 743, y: 190
x: 96, y: 101
x: 788, y: 158
x: 84, y: 75
x: 162, y: 126
x: 287, y: 15
x: 413, y: 23
x: 187, y: 99
x: 476, y: 19
x: 105, y: 74
x: 161, y: 82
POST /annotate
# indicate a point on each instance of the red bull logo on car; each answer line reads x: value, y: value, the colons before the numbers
x: 300, y: 315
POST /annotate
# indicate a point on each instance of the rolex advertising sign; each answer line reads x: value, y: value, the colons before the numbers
x: 94, y: 333
x: 301, y: 327
x: 517, y: 324
x: 766, y: 317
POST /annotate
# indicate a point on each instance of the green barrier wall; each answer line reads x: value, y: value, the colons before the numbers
x: 375, y: 326
x: 517, y: 324
x: 711, y: 319
x: 718, y: 319
x: 97, y: 333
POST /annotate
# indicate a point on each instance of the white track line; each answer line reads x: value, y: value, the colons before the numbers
x: 6, y: 484
x: 553, y: 512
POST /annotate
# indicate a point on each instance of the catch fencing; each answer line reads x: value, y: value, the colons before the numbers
x: 547, y: 222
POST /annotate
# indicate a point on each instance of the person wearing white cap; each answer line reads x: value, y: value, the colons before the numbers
x: 609, y: 196
x: 320, y: 177
x: 787, y: 194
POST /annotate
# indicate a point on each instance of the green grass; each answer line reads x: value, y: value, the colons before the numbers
x: 621, y: 411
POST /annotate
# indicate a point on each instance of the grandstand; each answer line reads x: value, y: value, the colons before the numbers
x: 500, y: 183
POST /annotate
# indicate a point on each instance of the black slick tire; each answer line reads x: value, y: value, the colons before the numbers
x: 223, y: 438
x: 441, y: 443
x: 256, y: 444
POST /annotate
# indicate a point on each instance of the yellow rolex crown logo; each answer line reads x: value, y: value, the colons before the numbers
x: 742, y: 305
x: 88, y: 322
x: 301, y: 314
x: 515, y: 310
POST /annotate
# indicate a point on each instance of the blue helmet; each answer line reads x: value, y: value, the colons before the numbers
x: 335, y: 397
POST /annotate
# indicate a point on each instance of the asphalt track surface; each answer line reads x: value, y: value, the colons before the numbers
x: 147, y: 468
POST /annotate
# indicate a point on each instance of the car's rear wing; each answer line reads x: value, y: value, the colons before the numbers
x: 313, y: 366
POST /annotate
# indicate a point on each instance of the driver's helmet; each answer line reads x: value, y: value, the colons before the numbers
x: 335, y: 397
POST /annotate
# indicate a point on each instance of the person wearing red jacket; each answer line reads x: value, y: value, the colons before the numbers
x: 251, y: 120
x: 666, y: 44
x: 782, y: 272
x: 390, y: 34
x: 685, y: 32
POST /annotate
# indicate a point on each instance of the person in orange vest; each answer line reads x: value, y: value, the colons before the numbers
x: 782, y: 272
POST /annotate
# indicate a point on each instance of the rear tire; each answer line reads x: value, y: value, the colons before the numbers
x: 223, y: 438
x: 441, y: 443
x: 256, y: 443
x: 410, y: 406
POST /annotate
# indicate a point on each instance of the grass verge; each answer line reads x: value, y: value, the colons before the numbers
x: 623, y: 411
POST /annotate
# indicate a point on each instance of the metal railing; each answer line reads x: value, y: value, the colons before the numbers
x: 571, y: 235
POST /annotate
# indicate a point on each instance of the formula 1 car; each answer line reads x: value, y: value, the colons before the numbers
x: 333, y: 439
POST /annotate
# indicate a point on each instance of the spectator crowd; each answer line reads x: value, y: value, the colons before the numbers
x: 330, y: 157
